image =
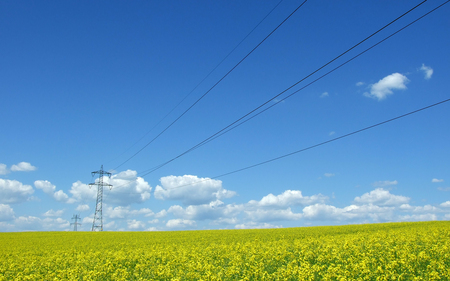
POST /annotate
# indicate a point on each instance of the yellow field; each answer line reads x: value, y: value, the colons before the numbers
x: 394, y: 251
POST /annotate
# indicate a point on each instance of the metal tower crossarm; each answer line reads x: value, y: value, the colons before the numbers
x: 97, y: 224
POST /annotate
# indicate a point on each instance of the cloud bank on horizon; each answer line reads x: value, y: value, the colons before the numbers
x: 202, y: 201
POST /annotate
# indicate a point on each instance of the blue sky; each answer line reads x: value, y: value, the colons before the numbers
x: 83, y: 84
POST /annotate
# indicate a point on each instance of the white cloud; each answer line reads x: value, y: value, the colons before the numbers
x: 6, y: 213
x: 108, y: 226
x: 213, y: 210
x: 381, y: 197
x: 406, y: 207
x: 269, y: 208
x: 445, y: 204
x: 180, y: 223
x: 324, y: 95
x: 46, y: 186
x: 124, y: 212
x: 191, y: 190
x: 261, y: 215
x: 419, y: 209
x: 444, y: 188
x: 329, y: 175
x: 135, y: 224
x: 254, y: 225
x: 49, y: 188
x: 384, y: 183
x: 3, y: 169
x: 352, y: 212
x: 51, y: 213
x: 424, y: 209
x: 286, y: 199
x: 82, y: 208
x: 161, y: 214
x: 88, y: 220
x: 12, y: 191
x: 59, y: 223
x: 82, y: 193
x: 30, y: 223
x: 384, y: 87
x: 422, y: 217
x: 324, y: 212
x: 428, y: 71
x: 437, y: 180
x: 23, y: 167
x: 60, y: 196
x: 127, y: 188
x: 222, y: 221
x: 331, y: 133
x: 153, y: 221
x: 359, y: 84
x: 373, y: 212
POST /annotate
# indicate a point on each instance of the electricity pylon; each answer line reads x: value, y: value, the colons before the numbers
x: 76, y: 218
x: 97, y: 224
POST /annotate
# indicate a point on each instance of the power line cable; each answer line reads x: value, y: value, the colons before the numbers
x: 320, y: 144
x: 206, y: 77
x: 329, y: 72
x: 223, y: 132
x: 220, y: 80
x: 236, y: 123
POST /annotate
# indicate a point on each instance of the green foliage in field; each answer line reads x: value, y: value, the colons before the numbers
x: 394, y: 251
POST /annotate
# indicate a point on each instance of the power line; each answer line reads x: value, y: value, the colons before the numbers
x: 320, y: 144
x: 317, y: 79
x: 221, y: 132
x: 310, y: 147
x: 220, y: 80
x: 316, y: 145
x: 206, y: 77
x: 236, y: 123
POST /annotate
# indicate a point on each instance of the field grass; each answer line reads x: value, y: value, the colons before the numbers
x: 391, y: 251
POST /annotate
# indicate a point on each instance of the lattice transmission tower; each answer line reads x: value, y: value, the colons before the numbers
x: 97, y: 224
x: 76, y: 223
